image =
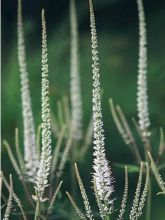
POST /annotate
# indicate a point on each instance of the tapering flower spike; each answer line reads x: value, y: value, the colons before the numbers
x: 45, y: 161
x: 30, y: 154
x: 142, y: 97
x: 75, y: 85
x: 102, y: 171
x: 10, y: 201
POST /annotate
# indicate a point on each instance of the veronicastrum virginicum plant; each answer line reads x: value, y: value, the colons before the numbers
x: 143, y: 124
x: 68, y: 123
x: 103, y: 181
x: 30, y: 151
x: 136, y: 206
x: 73, y: 114
x: 41, y: 182
x: 35, y: 168
x: 102, y: 172
x: 42, y: 170
x: 70, y: 115
x: 75, y: 82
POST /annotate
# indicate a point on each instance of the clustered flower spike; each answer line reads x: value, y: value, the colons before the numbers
x: 10, y: 201
x: 75, y: 87
x: 142, y: 97
x: 45, y: 161
x: 102, y: 171
x: 30, y: 153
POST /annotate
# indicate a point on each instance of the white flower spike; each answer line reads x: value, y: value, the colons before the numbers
x: 45, y: 161
x: 142, y: 97
x: 30, y: 153
x: 75, y: 85
x: 102, y: 171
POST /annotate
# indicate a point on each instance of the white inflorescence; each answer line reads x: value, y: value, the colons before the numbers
x: 30, y: 154
x: 9, y: 202
x: 45, y: 161
x: 75, y: 87
x: 142, y: 97
x: 102, y: 171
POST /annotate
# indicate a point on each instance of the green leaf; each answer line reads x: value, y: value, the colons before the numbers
x: 131, y: 168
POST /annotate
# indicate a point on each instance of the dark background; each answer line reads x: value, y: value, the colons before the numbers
x: 117, y: 27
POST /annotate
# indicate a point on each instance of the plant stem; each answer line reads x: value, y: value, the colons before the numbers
x: 37, y: 211
x: 107, y: 218
x: 149, y: 197
x: 73, y: 160
x: 147, y: 148
x: 27, y: 191
x: 148, y: 209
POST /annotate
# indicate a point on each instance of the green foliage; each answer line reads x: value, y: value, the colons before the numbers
x: 118, y: 65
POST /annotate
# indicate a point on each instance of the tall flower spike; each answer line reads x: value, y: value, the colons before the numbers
x: 142, y: 97
x: 75, y: 87
x: 30, y: 154
x: 135, y: 203
x: 10, y: 200
x: 83, y: 194
x: 45, y: 161
x: 144, y: 193
x: 102, y: 171
x: 125, y: 196
x: 156, y: 173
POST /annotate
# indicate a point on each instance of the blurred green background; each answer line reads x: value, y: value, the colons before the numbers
x: 117, y: 27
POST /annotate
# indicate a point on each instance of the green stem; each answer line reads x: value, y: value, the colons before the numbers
x: 147, y: 147
x: 73, y: 160
x: 107, y: 218
x: 27, y: 191
x: 37, y: 211
x: 148, y: 208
